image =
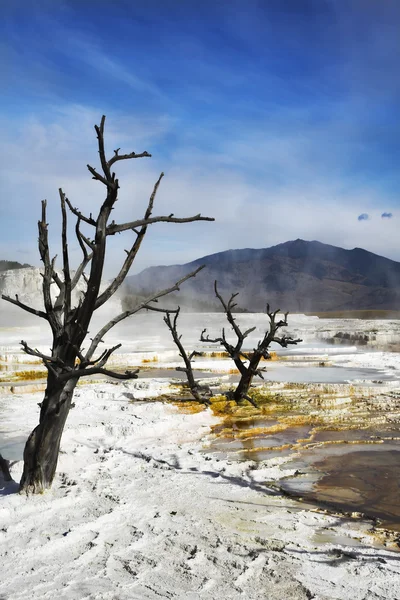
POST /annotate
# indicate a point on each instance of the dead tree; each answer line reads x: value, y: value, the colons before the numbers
x: 202, y: 393
x: 247, y: 363
x: 67, y: 361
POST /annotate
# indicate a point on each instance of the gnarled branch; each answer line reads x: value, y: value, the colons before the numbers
x: 131, y: 254
x: 80, y: 215
x: 145, y: 304
x: 199, y: 392
x: 251, y: 369
x: 78, y: 373
x: 29, y: 309
x: 48, y: 273
x: 117, y: 156
x: 115, y: 228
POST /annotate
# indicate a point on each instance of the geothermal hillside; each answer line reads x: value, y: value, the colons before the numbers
x: 298, y: 276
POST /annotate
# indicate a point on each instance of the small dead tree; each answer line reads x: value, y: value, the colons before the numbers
x: 202, y: 393
x: 247, y: 363
x: 67, y: 362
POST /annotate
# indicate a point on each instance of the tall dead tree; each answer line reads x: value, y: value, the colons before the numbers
x: 67, y: 362
x: 202, y: 393
x: 247, y: 363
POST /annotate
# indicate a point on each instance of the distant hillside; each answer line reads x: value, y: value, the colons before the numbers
x: 27, y: 282
x: 299, y: 276
x: 7, y: 265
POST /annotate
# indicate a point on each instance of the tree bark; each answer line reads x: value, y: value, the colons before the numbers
x: 246, y: 378
x: 42, y: 447
x: 243, y: 386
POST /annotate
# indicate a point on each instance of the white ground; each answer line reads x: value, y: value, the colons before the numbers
x: 139, y: 511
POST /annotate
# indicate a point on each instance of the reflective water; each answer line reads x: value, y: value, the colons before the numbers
x: 365, y: 481
x: 355, y: 470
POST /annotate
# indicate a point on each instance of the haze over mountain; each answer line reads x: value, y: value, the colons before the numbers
x: 298, y: 276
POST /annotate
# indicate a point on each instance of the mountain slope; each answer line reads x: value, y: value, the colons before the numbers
x: 7, y: 265
x: 297, y: 276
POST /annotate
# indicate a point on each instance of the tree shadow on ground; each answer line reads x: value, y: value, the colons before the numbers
x: 330, y: 556
x: 8, y: 487
x: 245, y: 481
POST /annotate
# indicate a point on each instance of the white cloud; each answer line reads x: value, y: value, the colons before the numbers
x: 286, y: 199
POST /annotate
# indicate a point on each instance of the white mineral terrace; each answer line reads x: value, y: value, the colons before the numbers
x: 143, y: 507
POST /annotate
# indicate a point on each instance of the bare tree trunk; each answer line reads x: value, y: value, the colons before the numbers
x: 243, y: 386
x: 42, y: 447
x: 67, y: 363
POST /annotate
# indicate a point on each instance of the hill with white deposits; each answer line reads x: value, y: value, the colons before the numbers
x: 27, y: 283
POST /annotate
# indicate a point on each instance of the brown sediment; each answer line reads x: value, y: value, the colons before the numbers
x: 26, y: 375
x: 269, y: 448
x: 188, y: 407
x: 154, y: 359
x: 366, y: 482
x: 254, y: 432
x: 223, y: 354
x: 220, y: 354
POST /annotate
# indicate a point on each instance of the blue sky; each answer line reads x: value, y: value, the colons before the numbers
x: 278, y: 117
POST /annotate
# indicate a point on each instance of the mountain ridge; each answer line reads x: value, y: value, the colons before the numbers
x: 298, y: 275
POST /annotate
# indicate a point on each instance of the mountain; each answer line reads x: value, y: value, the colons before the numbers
x: 7, y: 265
x: 298, y: 276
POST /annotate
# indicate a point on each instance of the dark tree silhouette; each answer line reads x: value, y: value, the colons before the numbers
x: 202, y: 393
x: 247, y: 363
x: 67, y: 362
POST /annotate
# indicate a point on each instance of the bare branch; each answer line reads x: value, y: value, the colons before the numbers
x: 145, y: 304
x: 80, y: 238
x: 100, y: 137
x: 45, y: 358
x: 285, y: 341
x: 199, y: 392
x: 159, y: 309
x: 33, y: 311
x: 86, y: 256
x: 78, y: 373
x: 113, y: 229
x: 66, y: 270
x: 131, y: 254
x: 107, y: 182
x: 55, y: 275
x: 48, y: 270
x: 79, y: 272
x: 203, y: 338
x: 78, y: 214
x: 102, y: 359
x: 117, y: 156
